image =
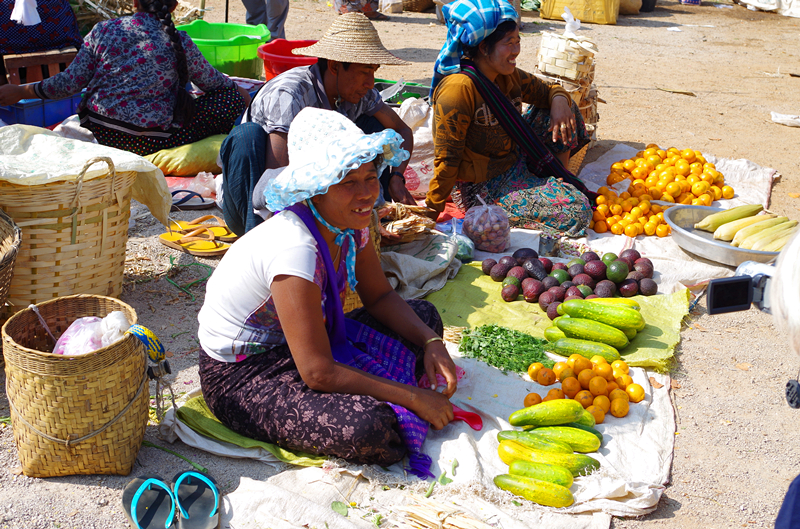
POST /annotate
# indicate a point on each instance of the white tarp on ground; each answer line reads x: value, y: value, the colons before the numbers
x: 788, y: 8
x: 635, y: 456
x: 635, y: 460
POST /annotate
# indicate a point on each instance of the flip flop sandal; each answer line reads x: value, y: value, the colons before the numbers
x: 190, y: 200
x: 148, y: 503
x: 220, y: 230
x: 198, y: 501
x: 194, y: 243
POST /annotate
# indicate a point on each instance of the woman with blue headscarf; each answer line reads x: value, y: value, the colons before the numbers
x: 280, y: 362
x: 483, y: 145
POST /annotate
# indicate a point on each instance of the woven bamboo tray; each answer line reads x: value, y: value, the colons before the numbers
x: 351, y: 300
x: 576, y: 160
x: 74, y: 414
x: 73, y: 235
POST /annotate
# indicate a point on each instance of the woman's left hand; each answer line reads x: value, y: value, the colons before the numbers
x: 562, y: 120
x: 437, y: 360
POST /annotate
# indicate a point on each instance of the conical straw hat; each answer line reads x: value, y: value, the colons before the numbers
x: 351, y: 38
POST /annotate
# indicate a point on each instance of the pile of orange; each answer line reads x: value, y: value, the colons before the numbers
x: 672, y: 175
x: 600, y: 387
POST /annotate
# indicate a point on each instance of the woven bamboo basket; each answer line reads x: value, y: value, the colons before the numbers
x: 576, y: 160
x: 10, y: 240
x: 570, y: 58
x: 72, y: 415
x: 74, y: 235
x: 417, y: 6
x: 351, y: 300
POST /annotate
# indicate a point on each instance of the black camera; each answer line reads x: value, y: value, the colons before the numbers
x: 749, y: 286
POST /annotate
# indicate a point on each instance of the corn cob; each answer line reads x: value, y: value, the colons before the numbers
x: 748, y: 242
x: 778, y: 244
x: 774, y: 234
x: 727, y: 231
x: 715, y: 220
x: 744, y: 233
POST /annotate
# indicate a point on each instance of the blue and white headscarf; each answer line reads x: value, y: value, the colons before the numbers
x: 468, y: 23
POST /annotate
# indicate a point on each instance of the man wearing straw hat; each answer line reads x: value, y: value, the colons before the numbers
x: 342, y: 80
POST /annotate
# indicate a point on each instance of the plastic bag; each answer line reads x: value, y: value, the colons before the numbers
x: 487, y: 226
x: 113, y: 327
x: 81, y: 337
x: 203, y: 184
x: 572, y: 24
x: 91, y: 333
x: 466, y: 248
x: 414, y: 112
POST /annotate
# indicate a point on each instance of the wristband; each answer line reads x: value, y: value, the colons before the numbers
x: 434, y: 339
x: 398, y: 173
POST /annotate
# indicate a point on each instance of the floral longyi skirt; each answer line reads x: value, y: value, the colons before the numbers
x: 533, y: 202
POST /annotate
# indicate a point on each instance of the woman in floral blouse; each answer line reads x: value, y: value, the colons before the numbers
x: 135, y: 71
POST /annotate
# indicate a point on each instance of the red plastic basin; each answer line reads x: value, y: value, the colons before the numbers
x: 278, y: 57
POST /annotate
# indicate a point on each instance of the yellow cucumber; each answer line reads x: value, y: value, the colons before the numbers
x: 630, y: 333
x: 543, y: 471
x: 772, y: 234
x: 632, y: 303
x: 577, y: 464
x: 586, y: 419
x: 619, y: 316
x: 536, y: 490
x: 744, y: 233
x: 579, y: 440
x: 567, y: 347
x: 583, y: 423
x: 727, y: 231
x: 593, y: 331
x: 547, y: 413
x: 536, y: 442
x: 715, y: 220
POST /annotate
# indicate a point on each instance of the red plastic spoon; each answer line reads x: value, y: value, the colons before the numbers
x: 472, y: 419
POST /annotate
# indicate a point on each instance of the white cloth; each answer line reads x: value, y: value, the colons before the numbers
x: 25, y: 13
x: 240, y: 286
x: 635, y: 459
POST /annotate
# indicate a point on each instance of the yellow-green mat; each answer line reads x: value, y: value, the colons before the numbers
x: 472, y: 299
x: 196, y: 415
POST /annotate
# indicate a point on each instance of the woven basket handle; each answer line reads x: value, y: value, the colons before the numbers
x: 76, y: 202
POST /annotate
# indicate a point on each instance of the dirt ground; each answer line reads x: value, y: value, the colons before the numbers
x: 737, y: 440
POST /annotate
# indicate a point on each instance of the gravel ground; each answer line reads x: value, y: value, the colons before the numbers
x: 736, y: 442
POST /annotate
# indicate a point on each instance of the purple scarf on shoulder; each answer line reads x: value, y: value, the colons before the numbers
x: 350, y: 345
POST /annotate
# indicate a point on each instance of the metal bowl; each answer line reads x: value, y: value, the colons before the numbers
x: 702, y: 243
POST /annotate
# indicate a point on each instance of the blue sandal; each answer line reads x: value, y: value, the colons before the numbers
x: 197, y: 497
x: 148, y: 503
x: 190, y: 200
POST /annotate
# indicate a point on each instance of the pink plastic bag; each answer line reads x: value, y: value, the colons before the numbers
x: 83, y: 336
x: 487, y: 226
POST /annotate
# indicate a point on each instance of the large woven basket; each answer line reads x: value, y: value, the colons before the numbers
x: 10, y: 240
x: 351, y: 299
x: 570, y: 58
x: 82, y: 414
x: 74, y: 235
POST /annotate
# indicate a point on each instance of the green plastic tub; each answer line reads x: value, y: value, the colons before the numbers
x: 230, y: 48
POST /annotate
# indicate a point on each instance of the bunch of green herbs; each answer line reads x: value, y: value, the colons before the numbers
x: 504, y: 348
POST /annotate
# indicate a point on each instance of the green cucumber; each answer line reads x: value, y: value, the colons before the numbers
x: 577, y: 464
x: 536, y: 490
x: 619, y: 316
x: 579, y: 440
x: 552, y: 334
x: 543, y: 471
x: 536, y: 442
x: 593, y: 331
x: 548, y: 413
x: 570, y: 346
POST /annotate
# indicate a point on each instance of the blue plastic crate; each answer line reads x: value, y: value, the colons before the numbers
x: 40, y: 112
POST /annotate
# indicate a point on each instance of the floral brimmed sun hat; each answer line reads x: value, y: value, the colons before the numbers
x: 323, y: 147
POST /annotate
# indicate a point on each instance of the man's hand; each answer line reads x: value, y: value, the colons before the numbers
x: 398, y: 191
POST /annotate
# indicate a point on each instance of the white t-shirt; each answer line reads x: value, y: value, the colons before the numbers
x: 238, y: 317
